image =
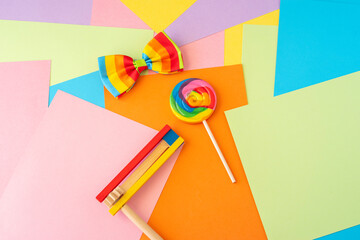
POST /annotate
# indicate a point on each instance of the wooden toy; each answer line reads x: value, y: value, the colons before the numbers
x: 116, y: 194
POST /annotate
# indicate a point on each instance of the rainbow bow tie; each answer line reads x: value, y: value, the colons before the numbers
x: 119, y: 72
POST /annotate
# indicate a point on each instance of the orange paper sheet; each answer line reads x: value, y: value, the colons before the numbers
x: 198, y: 201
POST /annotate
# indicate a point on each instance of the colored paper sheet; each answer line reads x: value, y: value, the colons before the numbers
x: 52, y: 192
x: 300, y: 154
x: 113, y: 13
x: 234, y: 36
x: 198, y: 201
x: 54, y: 11
x: 158, y: 14
x: 73, y: 49
x: 349, y: 233
x: 204, y: 53
x: 206, y: 17
x: 259, y: 59
x: 88, y: 88
x: 23, y: 102
x: 321, y: 48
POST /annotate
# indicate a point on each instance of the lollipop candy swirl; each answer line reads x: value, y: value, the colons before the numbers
x: 193, y: 100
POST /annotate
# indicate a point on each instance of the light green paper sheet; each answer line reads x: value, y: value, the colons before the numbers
x: 259, y: 60
x: 73, y: 49
x: 300, y: 150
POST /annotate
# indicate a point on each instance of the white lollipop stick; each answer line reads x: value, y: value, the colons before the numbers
x: 219, y: 151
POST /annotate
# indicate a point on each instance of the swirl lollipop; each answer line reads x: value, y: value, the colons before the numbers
x: 193, y: 101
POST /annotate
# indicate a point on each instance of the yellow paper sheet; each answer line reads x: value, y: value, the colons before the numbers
x: 233, y: 37
x: 300, y: 152
x: 259, y: 60
x: 158, y: 14
x: 72, y: 49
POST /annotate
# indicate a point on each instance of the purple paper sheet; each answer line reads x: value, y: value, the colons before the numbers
x: 52, y: 11
x: 206, y: 17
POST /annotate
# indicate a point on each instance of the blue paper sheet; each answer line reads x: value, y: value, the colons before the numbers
x: 318, y: 40
x: 346, y: 234
x: 87, y: 87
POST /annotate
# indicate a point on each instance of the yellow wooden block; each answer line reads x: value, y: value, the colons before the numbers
x: 147, y: 175
x: 145, y: 165
x: 158, y: 14
x: 136, y: 174
x: 233, y: 37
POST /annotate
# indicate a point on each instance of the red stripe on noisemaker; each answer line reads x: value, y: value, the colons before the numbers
x: 132, y: 164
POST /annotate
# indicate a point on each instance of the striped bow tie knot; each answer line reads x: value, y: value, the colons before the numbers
x: 119, y: 72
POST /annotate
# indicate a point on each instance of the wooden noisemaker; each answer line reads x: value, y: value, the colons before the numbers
x: 116, y: 194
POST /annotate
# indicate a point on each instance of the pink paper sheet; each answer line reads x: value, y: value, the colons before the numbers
x: 113, y: 13
x: 204, y: 53
x: 23, y: 102
x: 77, y: 149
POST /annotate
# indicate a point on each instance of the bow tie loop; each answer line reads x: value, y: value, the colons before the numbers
x: 119, y: 72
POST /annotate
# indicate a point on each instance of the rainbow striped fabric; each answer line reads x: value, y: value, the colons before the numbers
x: 119, y: 72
